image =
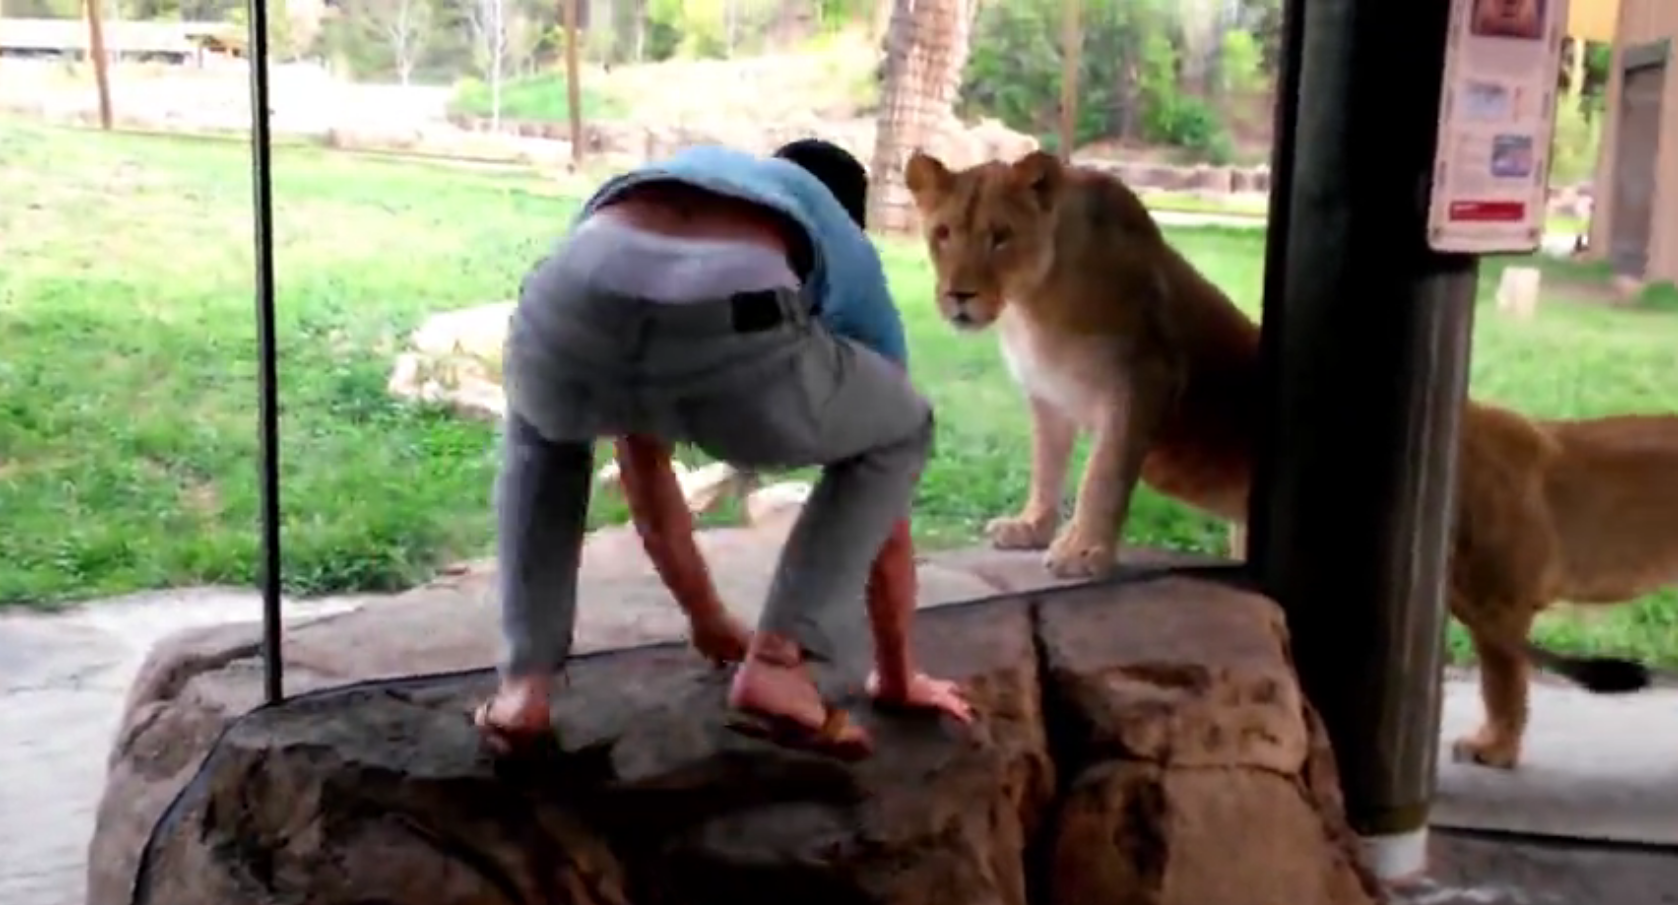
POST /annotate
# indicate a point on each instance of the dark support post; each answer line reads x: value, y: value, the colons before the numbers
x: 1370, y: 351
x: 1280, y: 217
x: 267, y: 382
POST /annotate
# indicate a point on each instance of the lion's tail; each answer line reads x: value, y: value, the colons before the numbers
x: 1598, y: 675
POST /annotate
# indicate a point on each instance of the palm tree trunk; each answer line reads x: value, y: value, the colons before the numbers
x: 926, y: 52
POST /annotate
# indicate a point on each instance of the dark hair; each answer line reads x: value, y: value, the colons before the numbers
x: 837, y: 169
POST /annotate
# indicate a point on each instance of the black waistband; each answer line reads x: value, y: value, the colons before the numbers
x: 754, y: 312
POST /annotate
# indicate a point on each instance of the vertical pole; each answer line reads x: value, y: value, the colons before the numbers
x: 1071, y: 52
x: 1284, y: 122
x: 573, y: 88
x: 1371, y: 358
x: 1576, y: 71
x: 101, y: 64
x: 267, y: 382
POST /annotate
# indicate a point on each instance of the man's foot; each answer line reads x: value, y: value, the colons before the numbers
x: 924, y: 693
x: 776, y: 700
x: 722, y: 639
x: 516, y: 720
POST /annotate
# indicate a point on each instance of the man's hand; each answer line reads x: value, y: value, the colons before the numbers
x: 666, y: 528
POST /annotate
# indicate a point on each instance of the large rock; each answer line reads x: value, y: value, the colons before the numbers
x: 194, y: 684
x: 1177, y: 703
x: 454, y: 360
x: 1132, y: 738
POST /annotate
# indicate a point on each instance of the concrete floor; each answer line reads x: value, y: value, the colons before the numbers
x: 1596, y: 767
x: 1467, y: 868
x: 1590, y: 818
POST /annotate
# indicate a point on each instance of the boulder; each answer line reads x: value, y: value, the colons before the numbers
x: 1179, y: 726
x: 193, y: 684
x: 1131, y: 737
x: 454, y: 359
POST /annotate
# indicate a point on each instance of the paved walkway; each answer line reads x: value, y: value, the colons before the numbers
x: 1600, y: 766
x: 63, y: 680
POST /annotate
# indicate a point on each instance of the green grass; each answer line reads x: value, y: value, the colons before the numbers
x: 536, y: 98
x: 127, y: 365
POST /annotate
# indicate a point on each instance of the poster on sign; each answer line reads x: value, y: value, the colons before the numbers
x: 1496, y: 116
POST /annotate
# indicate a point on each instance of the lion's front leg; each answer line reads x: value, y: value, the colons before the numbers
x: 1087, y: 546
x: 1052, y: 436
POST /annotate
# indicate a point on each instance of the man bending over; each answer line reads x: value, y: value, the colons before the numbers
x: 733, y: 302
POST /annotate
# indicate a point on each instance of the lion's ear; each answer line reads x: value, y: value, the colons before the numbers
x: 1042, y: 173
x: 927, y: 178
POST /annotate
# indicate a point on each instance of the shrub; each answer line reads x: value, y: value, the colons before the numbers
x: 1127, y: 75
x: 1578, y: 136
x: 540, y: 98
x: 1191, y: 124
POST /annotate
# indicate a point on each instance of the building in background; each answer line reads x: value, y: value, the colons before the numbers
x: 1634, y: 221
x: 167, y: 42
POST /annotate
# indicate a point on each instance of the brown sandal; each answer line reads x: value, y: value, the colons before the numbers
x: 521, y: 744
x: 833, y: 738
x: 837, y: 736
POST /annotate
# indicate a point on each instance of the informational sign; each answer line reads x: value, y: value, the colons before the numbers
x: 1497, y: 114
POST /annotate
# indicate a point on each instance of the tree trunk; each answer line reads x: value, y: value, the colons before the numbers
x: 643, y: 15
x: 101, y: 64
x: 573, y: 82
x: 926, y: 52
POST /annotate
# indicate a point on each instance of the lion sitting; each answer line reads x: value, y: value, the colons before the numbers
x: 1157, y: 371
x: 1108, y: 329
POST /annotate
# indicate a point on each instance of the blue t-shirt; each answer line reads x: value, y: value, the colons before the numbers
x: 857, y: 304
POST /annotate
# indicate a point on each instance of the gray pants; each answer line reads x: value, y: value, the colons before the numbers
x: 751, y: 379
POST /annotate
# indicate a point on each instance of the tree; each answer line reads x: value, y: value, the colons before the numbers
x: 282, y: 44
x: 526, y: 33
x: 489, y: 27
x: 1202, y: 24
x: 926, y: 52
x: 403, y: 26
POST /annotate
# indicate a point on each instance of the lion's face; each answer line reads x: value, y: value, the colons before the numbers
x: 989, y: 229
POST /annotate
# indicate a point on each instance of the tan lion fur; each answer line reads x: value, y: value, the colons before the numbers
x: 1108, y: 329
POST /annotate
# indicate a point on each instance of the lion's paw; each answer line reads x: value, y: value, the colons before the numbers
x: 1022, y: 532
x: 1486, y: 749
x: 1081, y: 554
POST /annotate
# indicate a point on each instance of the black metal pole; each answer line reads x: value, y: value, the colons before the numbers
x: 1371, y: 369
x: 1277, y: 223
x: 267, y: 385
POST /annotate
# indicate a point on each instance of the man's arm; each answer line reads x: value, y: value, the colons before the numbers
x: 666, y: 526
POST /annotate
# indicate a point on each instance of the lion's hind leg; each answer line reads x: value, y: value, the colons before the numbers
x: 1500, y: 644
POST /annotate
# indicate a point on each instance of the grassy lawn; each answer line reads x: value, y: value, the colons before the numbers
x: 127, y: 361
x: 540, y: 98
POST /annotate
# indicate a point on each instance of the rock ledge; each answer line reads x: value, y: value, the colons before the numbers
x: 1139, y: 743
